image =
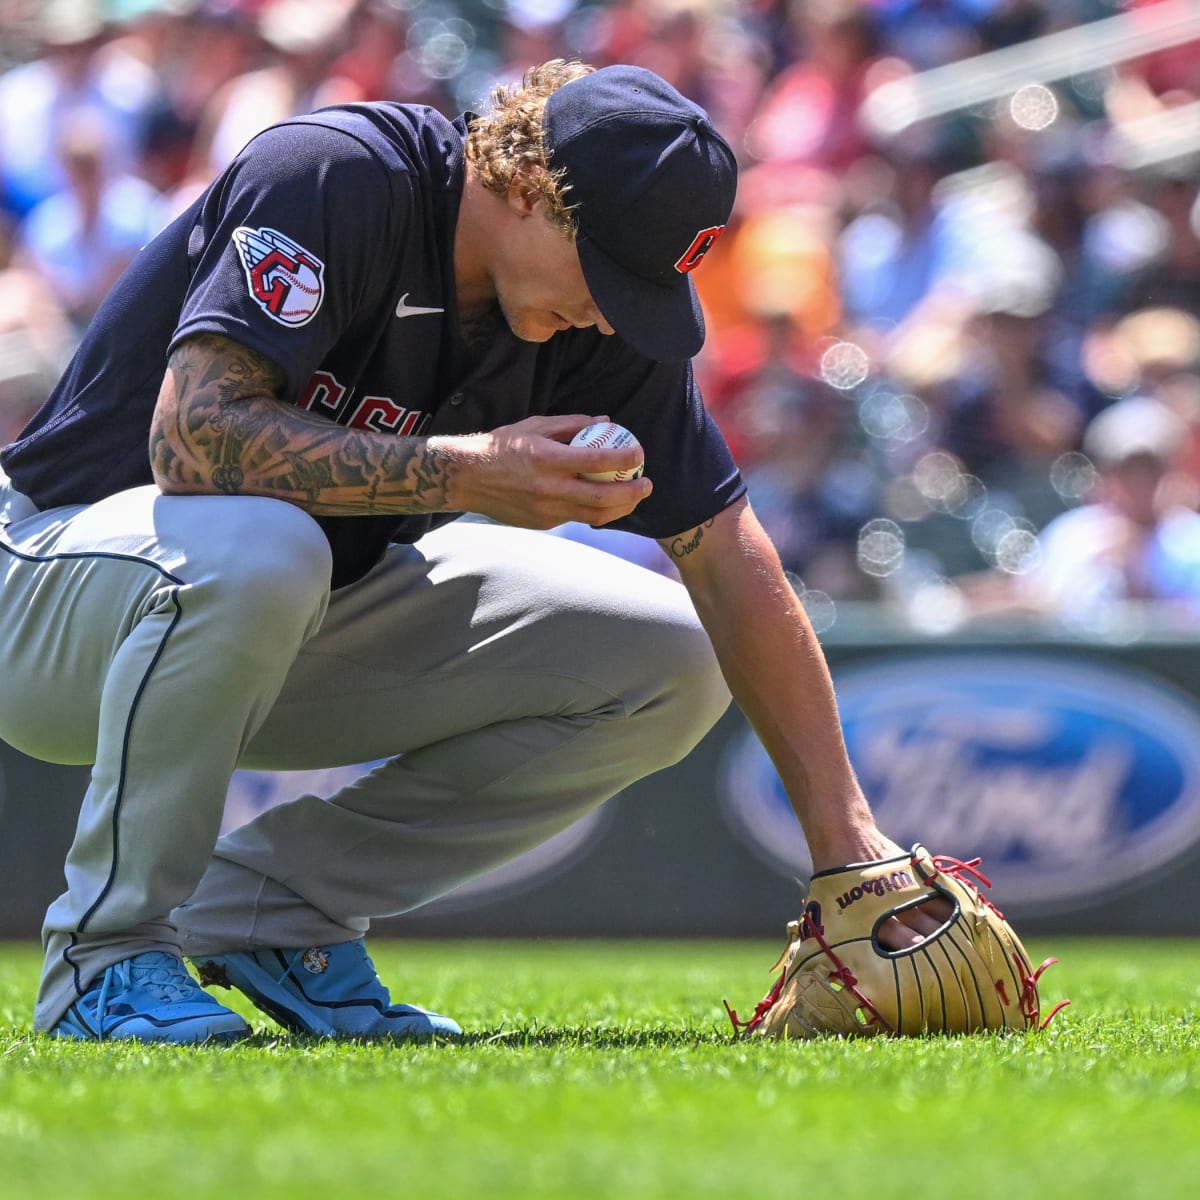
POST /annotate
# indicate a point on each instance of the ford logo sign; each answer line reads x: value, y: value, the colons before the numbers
x: 1068, y: 778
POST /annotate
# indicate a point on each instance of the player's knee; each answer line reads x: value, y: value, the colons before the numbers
x: 277, y: 563
x: 695, y: 694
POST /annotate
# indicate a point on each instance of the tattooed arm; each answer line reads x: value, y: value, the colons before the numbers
x: 777, y: 673
x: 220, y: 426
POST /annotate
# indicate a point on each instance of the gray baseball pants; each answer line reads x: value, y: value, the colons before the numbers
x: 512, y: 681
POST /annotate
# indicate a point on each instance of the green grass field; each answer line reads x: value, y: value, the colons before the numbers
x: 608, y: 1070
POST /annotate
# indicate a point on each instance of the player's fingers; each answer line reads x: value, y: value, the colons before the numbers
x: 912, y: 926
x: 602, y: 503
x: 895, y: 935
x: 560, y: 428
x: 927, y: 918
x: 605, y: 461
x: 605, y: 502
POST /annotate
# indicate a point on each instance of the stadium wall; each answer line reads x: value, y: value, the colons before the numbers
x: 1072, y: 767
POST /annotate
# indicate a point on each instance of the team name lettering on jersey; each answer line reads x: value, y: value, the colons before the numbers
x: 325, y: 395
x: 286, y: 281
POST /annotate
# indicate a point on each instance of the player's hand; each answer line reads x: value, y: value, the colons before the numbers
x: 913, y: 925
x: 527, y: 475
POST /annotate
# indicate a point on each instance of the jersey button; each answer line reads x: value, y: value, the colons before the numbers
x: 457, y: 398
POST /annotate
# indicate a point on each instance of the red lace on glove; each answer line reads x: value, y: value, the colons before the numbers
x: 842, y: 975
x: 1030, y: 1002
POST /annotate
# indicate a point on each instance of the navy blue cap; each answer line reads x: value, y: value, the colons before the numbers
x: 654, y: 184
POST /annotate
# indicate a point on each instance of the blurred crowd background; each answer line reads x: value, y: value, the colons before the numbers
x: 954, y: 324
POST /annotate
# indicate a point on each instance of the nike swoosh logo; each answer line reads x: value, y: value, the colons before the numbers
x: 404, y: 309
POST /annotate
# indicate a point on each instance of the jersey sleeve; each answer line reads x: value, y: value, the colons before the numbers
x: 687, y: 458
x: 286, y: 250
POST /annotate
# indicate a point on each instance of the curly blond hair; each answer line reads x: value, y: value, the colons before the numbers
x: 508, y: 140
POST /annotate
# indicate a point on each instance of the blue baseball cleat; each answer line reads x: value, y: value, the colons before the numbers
x: 324, y: 991
x: 149, y: 998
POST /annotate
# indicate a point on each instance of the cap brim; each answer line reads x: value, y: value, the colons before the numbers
x: 664, y: 323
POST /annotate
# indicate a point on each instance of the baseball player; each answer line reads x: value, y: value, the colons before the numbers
x: 228, y: 539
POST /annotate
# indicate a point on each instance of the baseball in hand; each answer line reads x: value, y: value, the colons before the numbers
x: 608, y: 435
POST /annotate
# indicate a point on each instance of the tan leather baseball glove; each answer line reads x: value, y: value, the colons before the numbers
x: 972, y: 974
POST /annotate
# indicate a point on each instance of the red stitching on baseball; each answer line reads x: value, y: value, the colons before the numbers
x: 295, y: 282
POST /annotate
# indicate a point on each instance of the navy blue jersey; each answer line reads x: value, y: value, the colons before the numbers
x: 328, y: 246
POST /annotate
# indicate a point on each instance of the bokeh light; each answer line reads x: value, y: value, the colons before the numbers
x: 1018, y: 550
x: 1073, y: 476
x: 819, y: 606
x: 937, y: 607
x: 988, y: 528
x: 937, y: 476
x: 1033, y: 107
x: 888, y: 416
x: 845, y: 365
x: 880, y: 548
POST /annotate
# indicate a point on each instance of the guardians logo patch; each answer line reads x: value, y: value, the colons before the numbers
x: 286, y: 281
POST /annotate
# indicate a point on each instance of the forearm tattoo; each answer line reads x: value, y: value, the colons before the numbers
x: 686, y: 543
x: 221, y: 427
